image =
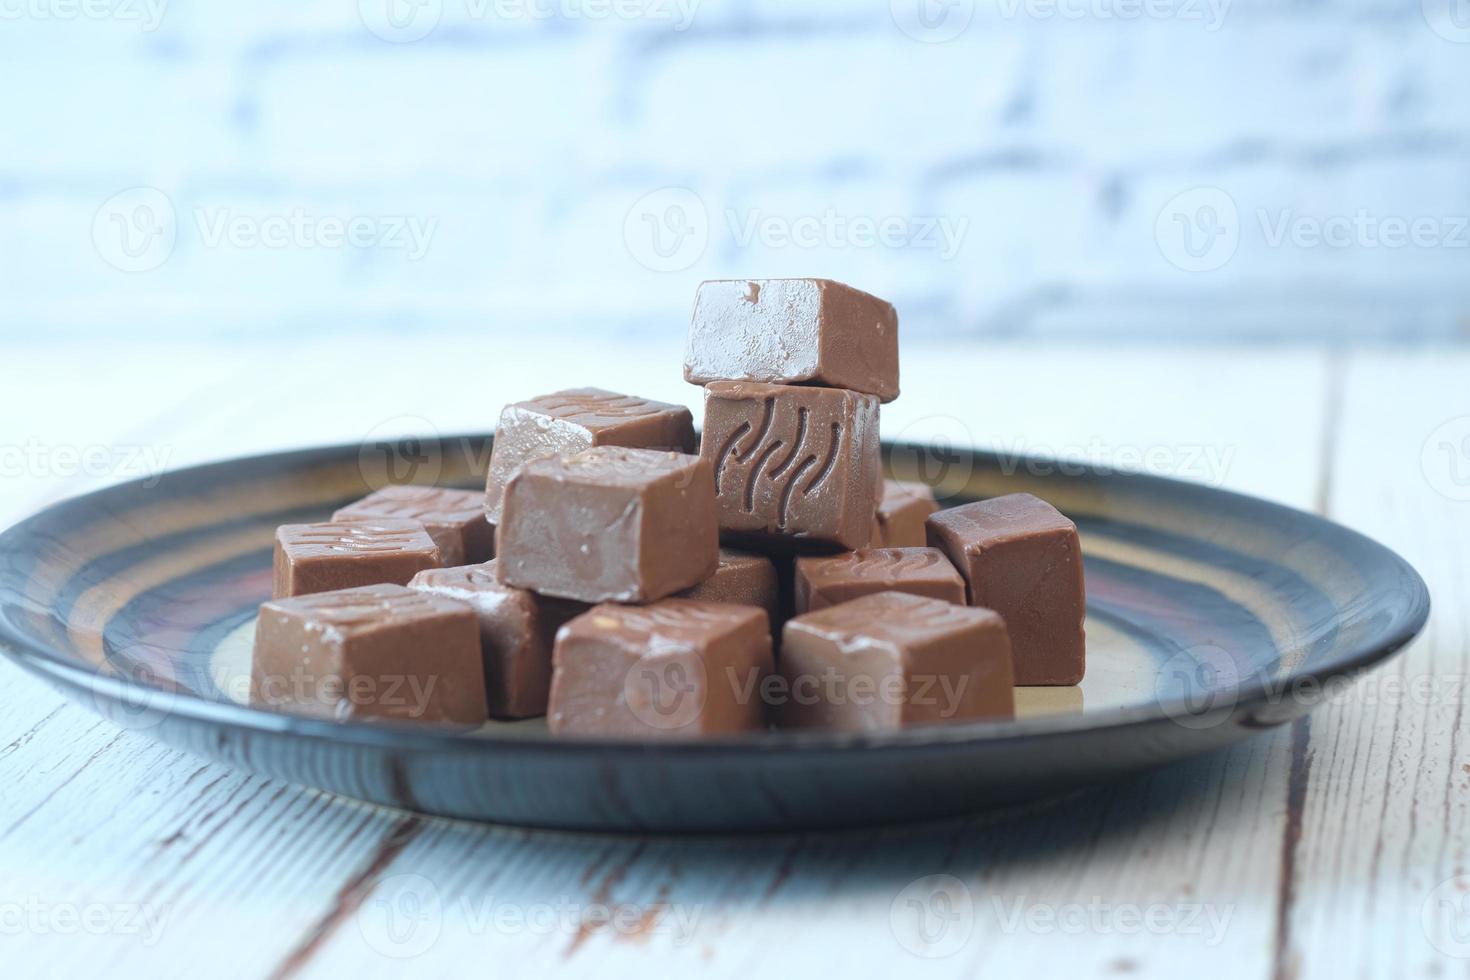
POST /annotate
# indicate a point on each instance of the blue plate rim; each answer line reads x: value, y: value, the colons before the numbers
x: 410, y: 737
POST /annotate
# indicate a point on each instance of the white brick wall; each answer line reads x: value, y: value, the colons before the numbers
x: 501, y: 171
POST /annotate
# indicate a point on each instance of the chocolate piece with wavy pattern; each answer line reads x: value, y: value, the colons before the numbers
x: 823, y: 582
x: 381, y: 651
x: 577, y: 419
x: 794, y: 466
x: 1023, y: 558
x: 899, y: 522
x: 892, y: 660
x: 793, y: 331
x: 676, y: 668
x: 609, y: 525
x: 455, y: 519
x: 517, y: 630
x: 348, y: 554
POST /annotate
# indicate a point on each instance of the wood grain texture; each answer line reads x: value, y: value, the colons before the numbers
x: 1303, y: 852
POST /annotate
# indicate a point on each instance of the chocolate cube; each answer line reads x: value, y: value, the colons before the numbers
x: 822, y: 582
x: 455, y: 519
x: 891, y: 660
x: 347, y: 554
x: 679, y: 667
x: 793, y: 331
x: 1023, y: 559
x: 609, y: 524
x: 793, y: 465
x: 902, y: 511
x: 517, y: 631
x: 577, y: 419
x: 741, y: 578
x: 381, y: 651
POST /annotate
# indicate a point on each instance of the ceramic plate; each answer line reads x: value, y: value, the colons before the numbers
x: 1209, y: 617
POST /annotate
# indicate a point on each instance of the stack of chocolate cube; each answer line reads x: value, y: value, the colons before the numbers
x: 610, y: 606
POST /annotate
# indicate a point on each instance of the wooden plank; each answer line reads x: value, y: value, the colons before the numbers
x: 315, y: 882
x: 1382, y: 872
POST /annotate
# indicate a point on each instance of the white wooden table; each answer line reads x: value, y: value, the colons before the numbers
x: 1334, y: 848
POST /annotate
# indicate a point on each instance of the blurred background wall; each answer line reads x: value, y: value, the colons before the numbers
x: 1158, y: 169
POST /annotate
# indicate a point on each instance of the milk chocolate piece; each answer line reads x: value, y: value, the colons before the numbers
x: 347, y: 554
x: 680, y: 667
x: 793, y: 331
x: 823, y: 582
x: 891, y: 660
x: 744, y: 579
x: 577, y: 419
x: 905, y: 506
x: 793, y: 465
x: 517, y: 631
x: 455, y: 519
x: 381, y: 651
x: 609, y: 524
x: 1023, y: 559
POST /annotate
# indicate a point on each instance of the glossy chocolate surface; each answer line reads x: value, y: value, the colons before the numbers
x: 793, y: 465
x: 381, y: 651
x: 828, y: 581
x: 1022, y: 558
x: 891, y: 660
x: 793, y: 331
x: 609, y: 524
x: 517, y: 632
x: 455, y: 519
x: 577, y: 419
x: 676, y: 668
x: 347, y: 554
